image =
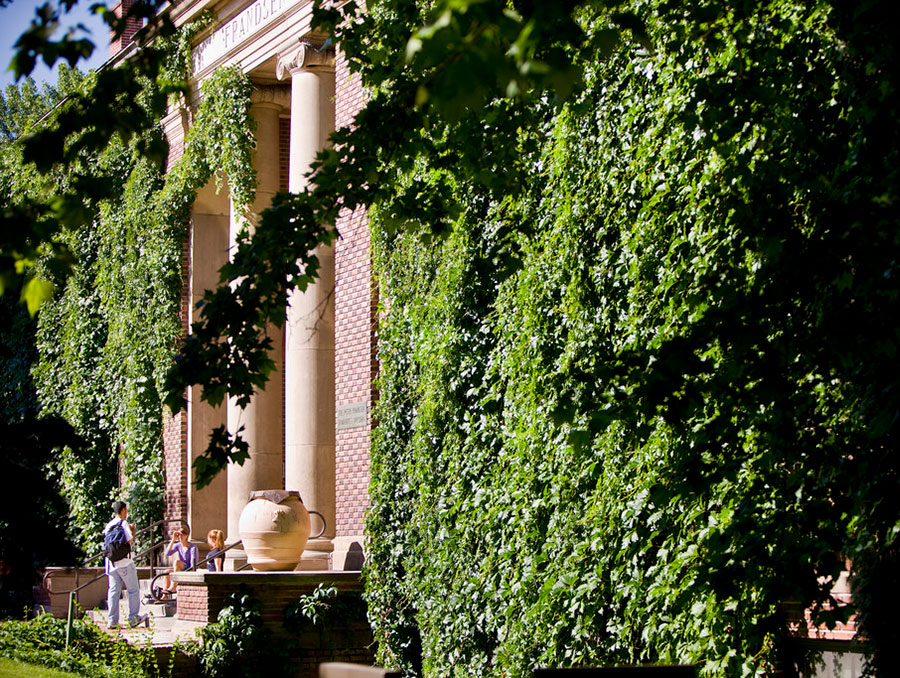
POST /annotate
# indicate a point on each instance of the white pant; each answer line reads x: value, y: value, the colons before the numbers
x: 126, y: 576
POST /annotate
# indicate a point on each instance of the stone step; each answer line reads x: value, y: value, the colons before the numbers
x: 163, y: 623
x: 143, y: 587
x: 166, y: 609
x: 157, y: 622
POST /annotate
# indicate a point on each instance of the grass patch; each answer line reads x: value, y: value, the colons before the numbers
x: 14, y: 669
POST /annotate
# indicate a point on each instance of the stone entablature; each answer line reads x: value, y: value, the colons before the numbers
x: 253, y: 46
x: 239, y: 28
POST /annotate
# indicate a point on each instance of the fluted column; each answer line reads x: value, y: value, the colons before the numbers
x: 262, y: 418
x: 309, y: 334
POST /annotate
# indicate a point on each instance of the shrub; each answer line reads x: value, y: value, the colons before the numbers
x: 91, y: 652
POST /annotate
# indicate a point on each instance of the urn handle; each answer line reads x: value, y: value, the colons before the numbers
x: 322, y: 531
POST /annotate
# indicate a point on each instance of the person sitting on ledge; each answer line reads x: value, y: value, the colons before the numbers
x: 187, y: 553
x: 216, y: 541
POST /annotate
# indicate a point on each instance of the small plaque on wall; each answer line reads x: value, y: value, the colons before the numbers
x: 351, y: 415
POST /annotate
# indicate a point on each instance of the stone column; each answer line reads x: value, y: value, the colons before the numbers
x: 262, y: 419
x: 309, y: 334
x: 210, y: 216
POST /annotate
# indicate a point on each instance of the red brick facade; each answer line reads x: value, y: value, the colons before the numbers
x: 801, y: 624
x: 202, y: 595
x: 132, y: 26
x: 175, y: 467
x: 354, y: 330
x: 284, y: 153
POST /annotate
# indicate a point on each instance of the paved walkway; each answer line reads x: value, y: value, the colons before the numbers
x: 163, y: 632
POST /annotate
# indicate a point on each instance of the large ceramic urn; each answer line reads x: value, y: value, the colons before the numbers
x: 274, y: 527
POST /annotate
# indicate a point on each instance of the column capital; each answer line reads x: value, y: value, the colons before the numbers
x: 278, y: 96
x: 308, y: 55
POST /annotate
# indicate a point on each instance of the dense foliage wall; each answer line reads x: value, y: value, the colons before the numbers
x: 107, y: 338
x: 644, y: 392
x: 33, y: 525
x: 105, y: 342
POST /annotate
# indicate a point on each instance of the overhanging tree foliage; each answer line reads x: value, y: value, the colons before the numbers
x: 114, y: 104
x: 34, y: 525
x: 639, y: 351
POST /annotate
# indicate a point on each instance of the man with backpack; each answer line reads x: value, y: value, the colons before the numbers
x: 120, y: 570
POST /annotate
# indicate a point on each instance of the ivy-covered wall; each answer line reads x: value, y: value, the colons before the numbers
x: 105, y: 342
x: 108, y: 337
x: 644, y: 391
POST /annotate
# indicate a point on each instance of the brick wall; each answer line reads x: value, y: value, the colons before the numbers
x: 800, y: 621
x: 202, y: 595
x: 177, y: 662
x: 175, y: 466
x: 355, y: 313
x: 202, y: 603
x: 284, y: 153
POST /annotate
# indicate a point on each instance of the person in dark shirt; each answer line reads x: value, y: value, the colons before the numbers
x: 216, y: 541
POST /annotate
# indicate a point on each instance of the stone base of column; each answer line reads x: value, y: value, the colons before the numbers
x: 316, y: 555
x: 235, y: 559
x: 348, y: 553
x: 319, y: 545
x: 314, y: 561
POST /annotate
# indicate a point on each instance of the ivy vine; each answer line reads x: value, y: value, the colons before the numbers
x: 639, y: 345
x: 107, y: 339
x: 640, y: 398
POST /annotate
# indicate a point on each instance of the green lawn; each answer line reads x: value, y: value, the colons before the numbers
x: 12, y: 669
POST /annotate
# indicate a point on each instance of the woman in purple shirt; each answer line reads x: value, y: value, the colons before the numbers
x: 187, y: 555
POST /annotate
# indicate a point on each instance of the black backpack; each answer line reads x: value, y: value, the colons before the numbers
x: 115, y: 544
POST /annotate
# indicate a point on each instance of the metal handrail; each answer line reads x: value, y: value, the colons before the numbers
x: 141, y: 554
x: 193, y: 568
x: 74, y: 592
x: 85, y: 562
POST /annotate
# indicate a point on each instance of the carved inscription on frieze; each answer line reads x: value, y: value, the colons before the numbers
x: 237, y: 29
